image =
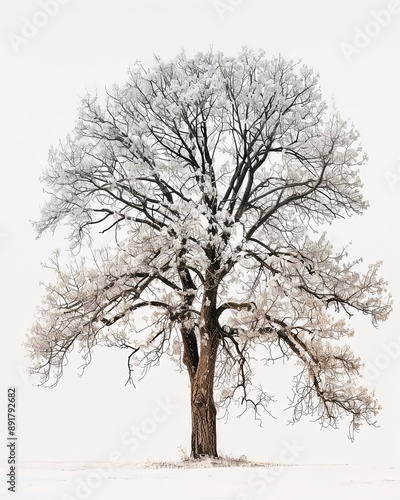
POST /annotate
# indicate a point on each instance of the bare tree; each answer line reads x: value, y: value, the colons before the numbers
x: 211, y: 173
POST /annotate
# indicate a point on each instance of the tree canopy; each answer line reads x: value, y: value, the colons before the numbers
x: 213, y: 175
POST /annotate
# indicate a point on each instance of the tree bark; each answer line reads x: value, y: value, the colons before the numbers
x: 204, y: 413
x: 204, y: 426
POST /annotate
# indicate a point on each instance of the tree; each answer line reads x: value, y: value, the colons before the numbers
x: 211, y: 174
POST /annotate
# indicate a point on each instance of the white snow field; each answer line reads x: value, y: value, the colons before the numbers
x: 102, y: 481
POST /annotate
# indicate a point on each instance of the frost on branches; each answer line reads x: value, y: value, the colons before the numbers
x: 212, y: 174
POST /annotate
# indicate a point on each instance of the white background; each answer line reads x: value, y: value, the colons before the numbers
x: 91, y: 43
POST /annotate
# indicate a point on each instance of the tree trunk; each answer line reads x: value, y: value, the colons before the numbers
x: 204, y: 413
x: 204, y: 428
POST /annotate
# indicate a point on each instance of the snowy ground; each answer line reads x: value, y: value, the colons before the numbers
x: 77, y: 481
